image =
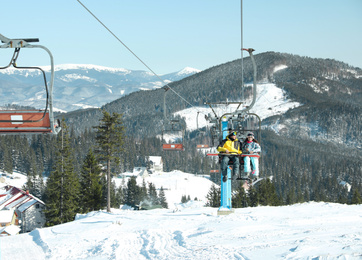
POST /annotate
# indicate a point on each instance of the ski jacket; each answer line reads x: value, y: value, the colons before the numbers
x: 252, y: 146
x: 233, y: 146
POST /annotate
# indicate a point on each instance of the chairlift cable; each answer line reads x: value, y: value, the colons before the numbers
x: 134, y: 54
x: 242, y: 54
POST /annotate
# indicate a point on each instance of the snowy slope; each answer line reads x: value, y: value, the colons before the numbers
x: 192, y: 231
x: 270, y: 101
x: 177, y: 184
x: 302, y: 231
x: 16, y: 179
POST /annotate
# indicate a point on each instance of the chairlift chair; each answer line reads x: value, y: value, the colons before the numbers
x: 175, y: 145
x: 29, y: 121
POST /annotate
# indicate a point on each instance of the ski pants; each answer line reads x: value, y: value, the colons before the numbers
x: 254, y: 162
x: 225, y: 162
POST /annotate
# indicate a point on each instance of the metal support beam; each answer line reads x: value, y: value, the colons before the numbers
x: 225, y: 204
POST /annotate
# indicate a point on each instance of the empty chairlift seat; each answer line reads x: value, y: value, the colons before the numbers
x: 24, y: 121
x: 173, y: 147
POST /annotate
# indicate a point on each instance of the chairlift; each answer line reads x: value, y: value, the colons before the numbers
x: 29, y: 121
x: 172, y: 127
x: 200, y: 133
x: 177, y: 144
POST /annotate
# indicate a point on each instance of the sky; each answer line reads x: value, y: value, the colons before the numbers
x: 313, y: 230
x: 171, y: 35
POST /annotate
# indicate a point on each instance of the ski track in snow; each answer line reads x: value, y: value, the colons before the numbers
x: 190, y: 231
x: 302, y: 231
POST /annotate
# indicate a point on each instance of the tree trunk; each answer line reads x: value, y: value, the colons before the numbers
x: 109, y: 186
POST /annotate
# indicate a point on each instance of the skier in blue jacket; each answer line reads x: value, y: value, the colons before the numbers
x: 251, y: 146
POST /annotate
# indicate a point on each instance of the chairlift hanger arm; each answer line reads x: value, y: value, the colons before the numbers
x: 250, y: 51
x: 212, y: 109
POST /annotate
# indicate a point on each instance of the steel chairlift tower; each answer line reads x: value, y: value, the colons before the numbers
x: 29, y: 121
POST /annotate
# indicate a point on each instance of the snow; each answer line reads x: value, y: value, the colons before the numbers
x: 270, y: 101
x: 74, y: 76
x: 176, y: 184
x: 11, y: 229
x: 16, y: 179
x: 280, y: 67
x: 192, y: 231
x: 188, y: 70
x: 6, y: 215
x: 86, y: 67
x: 302, y: 231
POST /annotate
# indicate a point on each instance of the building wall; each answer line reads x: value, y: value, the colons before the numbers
x: 156, y: 165
x: 33, y: 218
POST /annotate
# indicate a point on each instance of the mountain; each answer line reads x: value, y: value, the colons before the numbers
x: 79, y: 86
x: 325, y: 93
x: 311, y: 138
x: 314, y: 230
x: 311, y: 135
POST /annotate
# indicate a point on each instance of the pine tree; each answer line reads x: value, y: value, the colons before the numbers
x: 240, y: 199
x: 267, y: 193
x: 8, y: 161
x: 152, y: 194
x: 253, y: 197
x: 120, y: 195
x: 356, y: 198
x: 110, y: 139
x: 213, y: 197
x: 183, y: 199
x: 132, y: 193
x: 144, y: 191
x: 162, y: 198
x: 62, y: 189
x: 90, y: 184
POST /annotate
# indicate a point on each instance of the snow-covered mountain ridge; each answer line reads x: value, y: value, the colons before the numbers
x: 79, y: 85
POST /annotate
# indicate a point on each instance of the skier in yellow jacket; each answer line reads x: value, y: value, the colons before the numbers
x: 230, y: 146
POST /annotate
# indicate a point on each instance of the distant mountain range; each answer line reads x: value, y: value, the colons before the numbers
x: 79, y: 86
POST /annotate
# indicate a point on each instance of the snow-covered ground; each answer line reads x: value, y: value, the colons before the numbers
x: 16, y: 179
x: 177, y: 184
x: 191, y: 231
x: 302, y: 231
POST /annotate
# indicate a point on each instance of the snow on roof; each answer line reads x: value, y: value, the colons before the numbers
x: 9, y: 198
x: 138, y: 169
x: 6, y: 215
x: 15, y: 197
x: 15, y: 203
x: 11, y: 230
x: 156, y: 159
x: 27, y: 205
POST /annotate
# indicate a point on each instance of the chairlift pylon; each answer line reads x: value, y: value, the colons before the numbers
x: 29, y: 121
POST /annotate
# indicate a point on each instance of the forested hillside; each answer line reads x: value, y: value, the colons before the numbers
x: 309, y: 150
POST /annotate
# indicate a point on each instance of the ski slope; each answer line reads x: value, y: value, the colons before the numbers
x: 191, y: 231
x: 270, y: 101
x: 302, y: 231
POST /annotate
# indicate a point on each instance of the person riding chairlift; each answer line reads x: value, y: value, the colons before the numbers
x: 251, y: 146
x: 230, y: 145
